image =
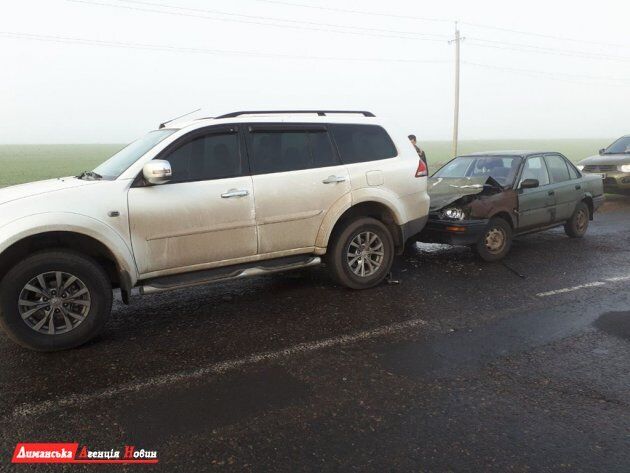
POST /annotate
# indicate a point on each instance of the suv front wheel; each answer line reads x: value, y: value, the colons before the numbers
x: 361, y: 255
x: 55, y: 300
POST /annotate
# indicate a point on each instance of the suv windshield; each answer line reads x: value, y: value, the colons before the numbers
x: 621, y: 146
x: 502, y: 169
x: 117, y: 164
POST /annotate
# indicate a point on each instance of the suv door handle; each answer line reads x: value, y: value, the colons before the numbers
x: 551, y: 193
x: 334, y: 179
x: 235, y: 193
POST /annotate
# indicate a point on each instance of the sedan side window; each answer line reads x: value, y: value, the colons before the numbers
x: 213, y: 156
x: 558, y: 169
x: 535, y: 168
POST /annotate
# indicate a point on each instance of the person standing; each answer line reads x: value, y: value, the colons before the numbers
x: 420, y: 152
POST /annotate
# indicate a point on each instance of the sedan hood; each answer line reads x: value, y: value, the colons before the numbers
x: 611, y: 159
x: 9, y: 194
x: 444, y: 191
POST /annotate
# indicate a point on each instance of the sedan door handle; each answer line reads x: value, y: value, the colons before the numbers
x: 235, y: 193
x: 551, y: 193
x: 334, y: 179
x: 578, y: 187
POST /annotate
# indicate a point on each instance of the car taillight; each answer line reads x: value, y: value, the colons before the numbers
x: 422, y: 169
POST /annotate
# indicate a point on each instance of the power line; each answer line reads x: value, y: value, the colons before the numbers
x: 544, y: 50
x: 251, y: 19
x: 560, y: 76
x: 359, y: 12
x: 169, y: 48
x: 542, y: 35
x: 442, y: 20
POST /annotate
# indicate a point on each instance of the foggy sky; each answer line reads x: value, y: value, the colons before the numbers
x: 70, y: 93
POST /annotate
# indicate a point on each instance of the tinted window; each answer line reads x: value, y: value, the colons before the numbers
x: 535, y: 169
x: 360, y: 143
x: 621, y: 146
x: 558, y: 170
x: 282, y: 151
x: 207, y: 157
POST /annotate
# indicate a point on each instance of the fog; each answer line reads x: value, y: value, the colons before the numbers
x: 568, y: 78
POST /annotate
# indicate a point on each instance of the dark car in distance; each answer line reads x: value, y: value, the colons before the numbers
x: 483, y: 200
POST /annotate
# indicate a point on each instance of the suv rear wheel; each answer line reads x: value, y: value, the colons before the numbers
x: 55, y: 300
x: 361, y: 255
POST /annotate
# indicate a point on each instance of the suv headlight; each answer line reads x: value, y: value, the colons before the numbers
x: 580, y: 167
x: 454, y: 213
x: 624, y: 168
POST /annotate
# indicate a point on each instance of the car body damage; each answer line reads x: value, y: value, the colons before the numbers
x: 482, y: 200
x: 479, y: 197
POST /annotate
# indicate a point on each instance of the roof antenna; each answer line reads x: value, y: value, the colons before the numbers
x: 162, y: 125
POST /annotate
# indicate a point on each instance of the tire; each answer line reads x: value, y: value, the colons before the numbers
x: 346, y: 270
x: 577, y: 225
x: 496, y: 240
x: 77, y: 314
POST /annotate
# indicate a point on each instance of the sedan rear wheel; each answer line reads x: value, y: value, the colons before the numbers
x: 577, y: 225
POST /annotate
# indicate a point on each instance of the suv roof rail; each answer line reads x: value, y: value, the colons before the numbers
x: 321, y: 113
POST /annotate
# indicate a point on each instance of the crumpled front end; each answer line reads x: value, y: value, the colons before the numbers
x: 461, y: 208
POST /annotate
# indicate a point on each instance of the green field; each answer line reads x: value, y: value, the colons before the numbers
x: 24, y: 163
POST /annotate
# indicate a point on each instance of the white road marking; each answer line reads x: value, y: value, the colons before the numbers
x: 584, y: 286
x: 212, y: 369
x: 619, y: 278
x: 571, y: 289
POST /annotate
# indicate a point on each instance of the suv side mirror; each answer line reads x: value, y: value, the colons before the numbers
x: 602, y: 151
x: 157, y: 171
x: 530, y: 184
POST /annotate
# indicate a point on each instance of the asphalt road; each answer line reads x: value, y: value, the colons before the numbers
x: 462, y: 366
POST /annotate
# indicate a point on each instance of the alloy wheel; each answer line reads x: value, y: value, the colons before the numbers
x: 365, y: 254
x: 54, y: 302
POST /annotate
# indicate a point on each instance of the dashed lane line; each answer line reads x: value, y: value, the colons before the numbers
x: 72, y: 400
x: 584, y: 286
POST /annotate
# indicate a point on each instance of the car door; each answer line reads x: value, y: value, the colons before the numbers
x: 535, y: 206
x: 204, y: 214
x: 297, y: 177
x: 562, y: 186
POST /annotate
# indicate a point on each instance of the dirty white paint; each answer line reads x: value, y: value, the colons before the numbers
x: 209, y: 370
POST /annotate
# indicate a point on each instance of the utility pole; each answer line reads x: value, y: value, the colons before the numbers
x: 457, y: 41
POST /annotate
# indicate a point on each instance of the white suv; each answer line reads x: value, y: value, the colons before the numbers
x: 221, y: 198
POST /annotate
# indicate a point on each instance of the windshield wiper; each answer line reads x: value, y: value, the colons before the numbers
x: 90, y: 176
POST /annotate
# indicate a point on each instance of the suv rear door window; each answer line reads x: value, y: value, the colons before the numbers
x: 558, y: 169
x: 212, y: 156
x: 290, y: 150
x: 362, y: 143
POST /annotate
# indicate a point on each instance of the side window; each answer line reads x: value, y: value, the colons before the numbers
x: 573, y: 172
x: 206, y: 157
x: 282, y: 151
x: 535, y: 169
x: 321, y: 147
x: 558, y: 169
x: 362, y: 143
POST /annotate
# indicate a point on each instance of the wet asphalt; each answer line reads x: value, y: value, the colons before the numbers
x: 462, y: 366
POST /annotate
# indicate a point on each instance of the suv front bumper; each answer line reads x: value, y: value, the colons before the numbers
x: 453, y: 232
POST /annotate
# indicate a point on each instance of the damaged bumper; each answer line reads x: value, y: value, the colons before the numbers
x: 460, y: 232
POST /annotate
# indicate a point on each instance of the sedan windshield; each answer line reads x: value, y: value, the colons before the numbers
x: 117, y: 164
x: 621, y: 146
x: 502, y: 169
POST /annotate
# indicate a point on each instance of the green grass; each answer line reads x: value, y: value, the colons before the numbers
x: 25, y: 163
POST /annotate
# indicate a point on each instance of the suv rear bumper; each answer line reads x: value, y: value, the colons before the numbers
x: 461, y: 232
x: 413, y: 227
